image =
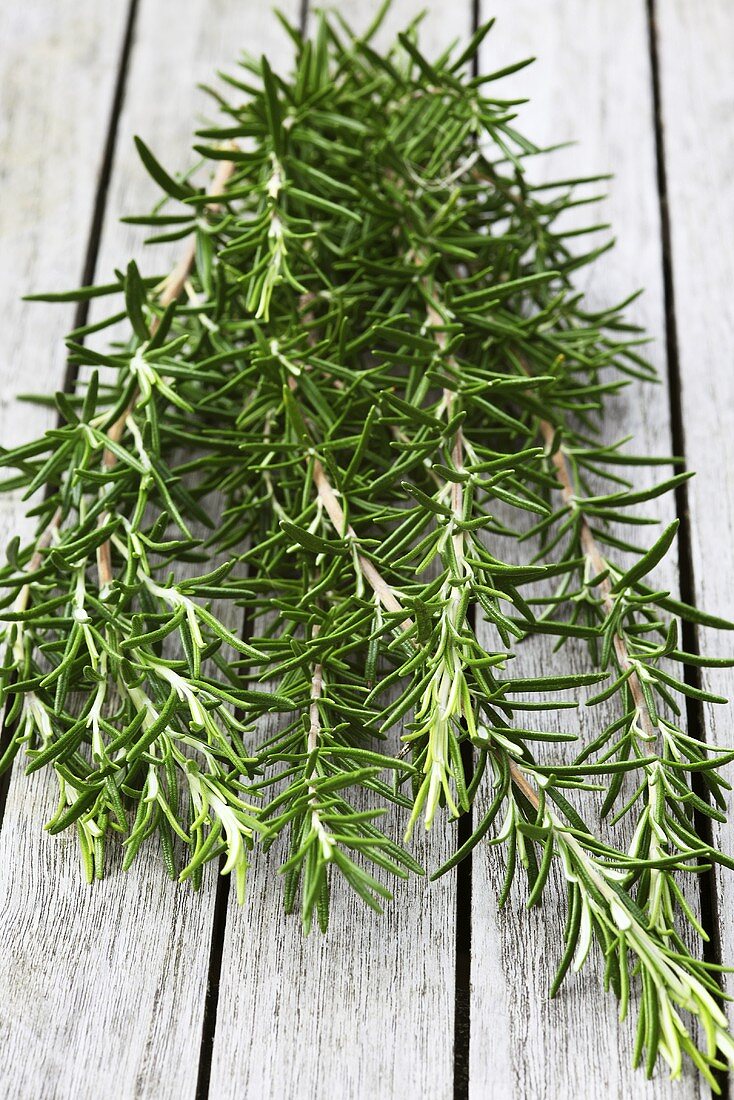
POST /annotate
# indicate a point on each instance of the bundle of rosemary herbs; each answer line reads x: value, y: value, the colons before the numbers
x: 372, y: 353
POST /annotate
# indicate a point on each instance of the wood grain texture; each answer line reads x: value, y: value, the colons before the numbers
x: 592, y: 83
x: 105, y: 986
x: 697, y: 92
x: 58, y: 64
x: 368, y: 1010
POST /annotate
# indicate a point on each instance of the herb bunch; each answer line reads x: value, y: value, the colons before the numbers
x: 370, y: 371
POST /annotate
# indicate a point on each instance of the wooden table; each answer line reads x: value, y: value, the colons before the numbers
x: 139, y: 988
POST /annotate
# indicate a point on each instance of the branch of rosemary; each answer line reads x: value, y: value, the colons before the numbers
x: 172, y: 288
x: 594, y: 556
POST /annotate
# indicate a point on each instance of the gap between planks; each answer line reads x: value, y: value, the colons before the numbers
x: 689, y: 633
x: 696, y: 97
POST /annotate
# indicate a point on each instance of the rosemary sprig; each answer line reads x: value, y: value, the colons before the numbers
x: 373, y: 350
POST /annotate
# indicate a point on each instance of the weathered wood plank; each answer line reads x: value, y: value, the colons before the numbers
x: 336, y: 1015
x: 695, y: 45
x: 58, y: 66
x: 368, y: 1010
x: 591, y: 83
x: 105, y: 987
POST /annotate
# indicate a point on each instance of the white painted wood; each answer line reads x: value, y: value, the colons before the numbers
x: 368, y: 1010
x: 104, y: 987
x: 58, y: 64
x: 697, y: 87
x: 591, y: 83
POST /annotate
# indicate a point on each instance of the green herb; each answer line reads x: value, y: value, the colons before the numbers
x: 373, y: 352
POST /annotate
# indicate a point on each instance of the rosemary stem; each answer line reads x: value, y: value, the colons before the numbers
x: 522, y: 784
x: 374, y: 578
x: 44, y: 541
x: 386, y: 596
x: 317, y: 683
x: 314, y: 736
x: 172, y: 289
x: 596, y: 560
x: 335, y: 512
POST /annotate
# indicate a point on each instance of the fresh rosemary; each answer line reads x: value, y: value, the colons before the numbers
x: 373, y: 353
